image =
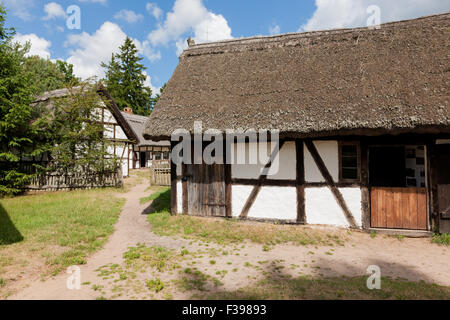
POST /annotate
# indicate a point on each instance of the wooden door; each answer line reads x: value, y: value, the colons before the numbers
x: 399, y: 208
x: 206, y: 190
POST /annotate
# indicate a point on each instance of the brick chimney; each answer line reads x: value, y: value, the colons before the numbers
x: 128, y: 110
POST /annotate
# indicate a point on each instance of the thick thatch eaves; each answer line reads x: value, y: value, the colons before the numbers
x: 352, y: 81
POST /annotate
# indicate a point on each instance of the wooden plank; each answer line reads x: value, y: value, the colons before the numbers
x: 405, y: 208
x: 173, y: 186
x: 412, y: 217
x: 331, y: 184
x: 374, y: 194
x: 397, y: 209
x: 365, y: 193
x: 388, y: 207
x: 228, y: 190
x: 421, y: 209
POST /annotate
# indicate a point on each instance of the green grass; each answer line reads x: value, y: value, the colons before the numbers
x: 160, y: 192
x: 287, y: 288
x: 224, y: 231
x: 443, y: 239
x: 63, y: 227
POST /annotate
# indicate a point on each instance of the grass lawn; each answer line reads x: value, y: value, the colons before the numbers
x: 232, y: 231
x: 56, y: 229
x: 271, y: 284
x: 307, y: 288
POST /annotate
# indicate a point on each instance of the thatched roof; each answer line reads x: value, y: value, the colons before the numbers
x: 47, y: 100
x: 388, y: 80
x: 137, y: 124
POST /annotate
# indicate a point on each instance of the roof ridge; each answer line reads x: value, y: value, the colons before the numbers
x: 296, y: 35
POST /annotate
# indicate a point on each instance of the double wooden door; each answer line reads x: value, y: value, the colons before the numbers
x: 205, y: 190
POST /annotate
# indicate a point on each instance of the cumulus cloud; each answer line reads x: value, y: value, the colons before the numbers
x: 88, y: 51
x: 54, y: 11
x: 154, y: 10
x: 20, y: 8
x: 190, y: 16
x: 331, y: 14
x: 39, y: 46
x: 129, y: 16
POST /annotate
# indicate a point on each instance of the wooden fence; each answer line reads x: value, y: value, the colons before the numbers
x: 160, y: 173
x: 61, y: 181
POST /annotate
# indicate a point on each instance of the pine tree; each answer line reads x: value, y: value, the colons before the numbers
x: 125, y: 80
x: 19, y: 121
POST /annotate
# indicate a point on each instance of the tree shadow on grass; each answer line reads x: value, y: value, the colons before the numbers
x: 8, y: 231
x: 277, y: 284
x: 160, y: 203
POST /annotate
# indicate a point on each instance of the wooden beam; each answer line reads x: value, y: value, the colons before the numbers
x: 263, y: 177
x: 300, y: 176
x: 365, y: 192
x: 331, y: 184
x: 173, y: 184
x: 185, y: 189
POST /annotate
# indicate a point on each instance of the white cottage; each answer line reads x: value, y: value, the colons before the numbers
x: 116, y: 128
x: 363, y: 118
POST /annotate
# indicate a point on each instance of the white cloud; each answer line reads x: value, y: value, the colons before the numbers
x: 275, y: 29
x: 129, y: 16
x: 20, y: 8
x: 53, y: 11
x: 90, y: 50
x: 154, y: 10
x: 39, y: 46
x: 148, y: 83
x: 147, y: 50
x: 190, y: 16
x: 331, y: 14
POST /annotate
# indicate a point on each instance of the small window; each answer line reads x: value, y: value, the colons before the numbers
x: 349, y: 161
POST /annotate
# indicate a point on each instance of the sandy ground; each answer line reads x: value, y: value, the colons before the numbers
x: 412, y: 259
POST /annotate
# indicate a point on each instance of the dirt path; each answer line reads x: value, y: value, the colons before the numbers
x: 411, y: 259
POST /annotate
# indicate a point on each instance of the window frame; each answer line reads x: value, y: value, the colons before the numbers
x: 358, y: 156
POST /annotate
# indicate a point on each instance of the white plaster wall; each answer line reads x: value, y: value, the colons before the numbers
x: 239, y: 195
x: 108, y: 131
x: 284, y: 167
x: 271, y: 202
x: 108, y: 116
x: 179, y: 197
x: 328, y: 150
x: 120, y: 134
x: 322, y: 208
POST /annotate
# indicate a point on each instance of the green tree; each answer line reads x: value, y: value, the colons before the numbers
x: 47, y: 75
x: 125, y: 80
x: 79, y: 144
x: 20, y: 123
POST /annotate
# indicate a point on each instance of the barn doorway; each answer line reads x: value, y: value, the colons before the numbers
x: 143, y: 159
x: 398, y: 193
x: 205, y: 189
x: 441, y: 166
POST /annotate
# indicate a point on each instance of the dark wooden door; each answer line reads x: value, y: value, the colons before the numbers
x: 206, y: 190
x: 399, y: 208
x: 441, y: 173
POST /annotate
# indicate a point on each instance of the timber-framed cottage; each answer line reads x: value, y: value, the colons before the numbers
x: 363, y: 116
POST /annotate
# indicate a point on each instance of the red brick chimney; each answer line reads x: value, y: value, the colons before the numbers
x: 128, y: 110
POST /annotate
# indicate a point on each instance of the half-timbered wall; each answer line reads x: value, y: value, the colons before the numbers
x: 121, y: 147
x: 315, y: 183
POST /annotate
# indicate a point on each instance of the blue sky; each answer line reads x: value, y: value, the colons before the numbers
x: 160, y: 28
